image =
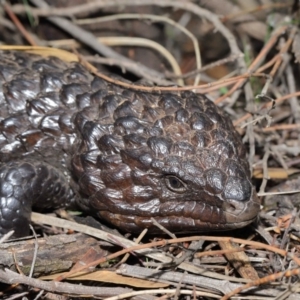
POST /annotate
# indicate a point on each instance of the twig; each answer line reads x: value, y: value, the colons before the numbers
x: 126, y: 41
x: 257, y: 61
x: 6, y: 236
x: 267, y: 105
x: 10, y: 277
x: 264, y: 280
x: 36, y: 247
x: 188, y: 6
x: 287, y: 229
x: 19, y: 25
x: 138, y: 240
x: 282, y: 127
x: 163, y: 229
x: 153, y: 18
x: 90, y: 40
x: 265, y: 169
x: 219, y: 62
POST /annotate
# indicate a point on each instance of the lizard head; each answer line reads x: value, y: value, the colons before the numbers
x: 174, y: 158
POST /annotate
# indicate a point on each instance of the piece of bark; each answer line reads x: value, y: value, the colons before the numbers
x: 55, y: 253
x: 239, y: 260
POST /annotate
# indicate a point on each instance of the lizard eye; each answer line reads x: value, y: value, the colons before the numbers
x: 174, y: 184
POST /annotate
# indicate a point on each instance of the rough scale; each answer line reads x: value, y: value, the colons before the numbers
x: 70, y: 139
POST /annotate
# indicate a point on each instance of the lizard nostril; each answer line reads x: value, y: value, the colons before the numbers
x: 231, y: 207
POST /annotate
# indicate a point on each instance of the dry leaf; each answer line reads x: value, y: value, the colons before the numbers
x: 90, y: 256
x: 275, y: 173
x: 44, y: 51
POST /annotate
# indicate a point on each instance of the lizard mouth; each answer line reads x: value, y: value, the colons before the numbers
x: 240, y: 213
x: 232, y: 215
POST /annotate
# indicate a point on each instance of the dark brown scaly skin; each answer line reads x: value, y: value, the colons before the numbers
x: 68, y: 138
